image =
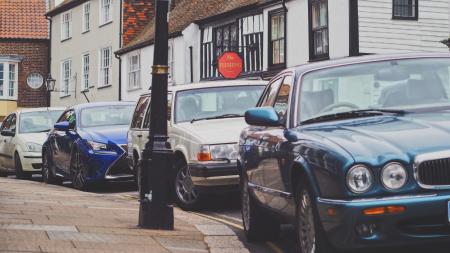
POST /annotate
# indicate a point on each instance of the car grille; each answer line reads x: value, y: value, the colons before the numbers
x: 124, y: 147
x: 120, y: 168
x: 434, y: 172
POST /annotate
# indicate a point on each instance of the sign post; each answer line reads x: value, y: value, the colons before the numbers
x: 230, y: 65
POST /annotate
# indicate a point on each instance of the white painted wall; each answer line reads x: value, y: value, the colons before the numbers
x: 297, y: 33
x: 379, y: 33
x: 80, y: 43
x: 338, y: 25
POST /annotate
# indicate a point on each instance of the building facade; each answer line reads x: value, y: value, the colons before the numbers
x: 84, y: 35
x: 24, y: 48
x: 271, y: 35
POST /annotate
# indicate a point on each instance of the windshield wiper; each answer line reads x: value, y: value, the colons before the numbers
x: 224, y: 116
x: 43, y: 131
x: 353, y: 114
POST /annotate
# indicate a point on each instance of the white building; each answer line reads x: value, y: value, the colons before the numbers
x: 271, y: 35
x: 84, y: 36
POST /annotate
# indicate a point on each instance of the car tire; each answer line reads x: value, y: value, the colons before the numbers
x: 3, y: 173
x: 310, y: 235
x: 186, y: 195
x: 48, y: 172
x: 258, y: 224
x: 78, y: 171
x: 20, y: 174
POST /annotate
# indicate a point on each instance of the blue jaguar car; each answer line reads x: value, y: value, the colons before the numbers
x: 354, y: 152
x: 89, y: 144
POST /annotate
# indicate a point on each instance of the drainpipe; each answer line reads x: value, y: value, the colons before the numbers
x: 49, y: 57
x: 120, y: 46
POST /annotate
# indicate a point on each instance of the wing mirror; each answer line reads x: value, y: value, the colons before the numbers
x: 10, y: 133
x: 262, y: 116
x: 62, y: 126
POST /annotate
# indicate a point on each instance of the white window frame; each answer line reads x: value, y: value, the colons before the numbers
x: 105, y: 67
x: 85, y: 69
x: 2, y: 79
x: 86, y: 17
x: 134, y: 72
x: 171, y: 63
x: 106, y: 13
x: 6, y: 80
x: 65, y: 78
x: 66, y: 25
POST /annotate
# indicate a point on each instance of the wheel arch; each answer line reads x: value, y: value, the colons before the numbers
x: 302, y: 171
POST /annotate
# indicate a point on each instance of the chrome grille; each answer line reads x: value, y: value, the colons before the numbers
x: 434, y: 173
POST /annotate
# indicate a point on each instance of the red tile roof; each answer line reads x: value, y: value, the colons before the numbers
x: 185, y: 13
x: 23, y: 19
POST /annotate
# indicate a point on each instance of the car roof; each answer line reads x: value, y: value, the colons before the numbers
x: 213, y: 84
x: 300, y: 69
x: 99, y: 104
x: 40, y: 109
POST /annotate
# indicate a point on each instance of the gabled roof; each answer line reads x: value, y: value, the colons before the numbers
x: 187, y: 12
x: 23, y: 19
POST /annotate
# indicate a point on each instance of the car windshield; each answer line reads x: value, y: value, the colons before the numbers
x: 218, y: 102
x: 388, y: 85
x: 107, y: 115
x: 36, y: 122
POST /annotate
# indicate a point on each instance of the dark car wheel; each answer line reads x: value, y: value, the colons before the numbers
x: 186, y: 195
x: 48, y: 174
x: 20, y: 174
x: 78, y: 171
x: 310, y: 235
x: 258, y: 225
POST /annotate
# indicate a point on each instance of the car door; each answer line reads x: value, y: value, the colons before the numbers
x: 8, y: 144
x: 63, y: 141
x: 3, y: 140
x: 137, y: 131
x: 273, y: 149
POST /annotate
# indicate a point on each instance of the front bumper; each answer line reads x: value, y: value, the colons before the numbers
x: 31, y: 161
x: 425, y: 220
x: 217, y: 175
x: 107, y: 166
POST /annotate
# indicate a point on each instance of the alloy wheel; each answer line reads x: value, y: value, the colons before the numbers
x: 79, y: 178
x: 306, y: 228
x: 184, y: 186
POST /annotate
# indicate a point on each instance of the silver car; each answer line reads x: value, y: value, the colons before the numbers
x: 205, y: 121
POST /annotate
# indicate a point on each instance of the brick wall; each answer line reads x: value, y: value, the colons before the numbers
x: 136, y: 14
x: 35, y: 60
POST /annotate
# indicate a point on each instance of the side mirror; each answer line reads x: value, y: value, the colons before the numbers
x: 262, y: 116
x: 62, y: 126
x: 9, y: 133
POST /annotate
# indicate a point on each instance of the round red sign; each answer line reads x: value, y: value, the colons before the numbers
x: 230, y: 65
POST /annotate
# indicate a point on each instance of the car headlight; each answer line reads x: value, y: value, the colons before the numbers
x: 33, y: 147
x: 218, y: 152
x: 359, y: 179
x: 97, y: 146
x: 394, y: 176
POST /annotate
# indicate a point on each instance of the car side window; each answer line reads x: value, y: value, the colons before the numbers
x: 282, y: 99
x: 139, y: 112
x: 12, y: 125
x: 7, y: 123
x: 169, y: 112
x: 70, y: 117
x: 270, y: 94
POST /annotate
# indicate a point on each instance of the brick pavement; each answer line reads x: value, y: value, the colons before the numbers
x: 35, y: 217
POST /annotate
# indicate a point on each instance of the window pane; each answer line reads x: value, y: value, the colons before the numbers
x: 1, y: 79
x: 274, y: 27
x: 281, y: 29
x: 323, y: 14
x: 12, y: 79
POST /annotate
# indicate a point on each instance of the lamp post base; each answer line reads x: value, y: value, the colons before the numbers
x: 153, y: 216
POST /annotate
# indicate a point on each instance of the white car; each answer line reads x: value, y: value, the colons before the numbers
x: 21, y: 137
x: 205, y: 121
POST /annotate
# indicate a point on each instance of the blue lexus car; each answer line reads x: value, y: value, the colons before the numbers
x: 89, y: 144
x: 354, y: 152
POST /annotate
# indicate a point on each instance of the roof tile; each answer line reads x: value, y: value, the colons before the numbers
x: 23, y: 19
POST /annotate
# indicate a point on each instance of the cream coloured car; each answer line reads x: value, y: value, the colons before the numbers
x: 205, y: 121
x: 21, y: 137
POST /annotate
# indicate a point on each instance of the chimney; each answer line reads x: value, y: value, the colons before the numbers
x: 136, y: 14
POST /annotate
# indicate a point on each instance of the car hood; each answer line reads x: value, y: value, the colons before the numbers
x: 106, y: 134
x: 38, y: 138
x: 380, y: 139
x: 215, y: 131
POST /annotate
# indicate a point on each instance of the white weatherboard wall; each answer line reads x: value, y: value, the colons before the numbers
x: 379, y: 33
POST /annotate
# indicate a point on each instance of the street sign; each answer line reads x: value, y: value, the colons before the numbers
x: 230, y: 65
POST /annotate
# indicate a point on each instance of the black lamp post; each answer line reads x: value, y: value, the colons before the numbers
x: 50, y: 86
x: 155, y: 211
